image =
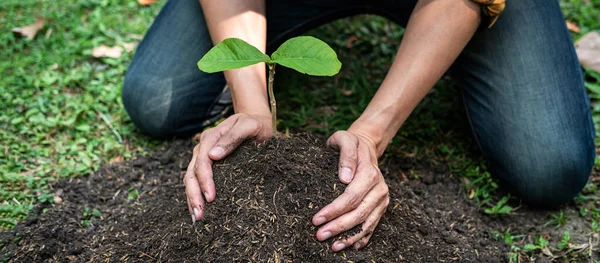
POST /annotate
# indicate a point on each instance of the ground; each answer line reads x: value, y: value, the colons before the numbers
x: 62, y: 117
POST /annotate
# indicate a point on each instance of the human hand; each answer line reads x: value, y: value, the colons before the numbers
x: 215, y: 144
x: 365, y: 199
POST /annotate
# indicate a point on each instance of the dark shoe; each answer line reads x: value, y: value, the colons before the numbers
x: 220, y: 109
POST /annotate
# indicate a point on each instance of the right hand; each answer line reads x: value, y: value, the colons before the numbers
x: 215, y: 144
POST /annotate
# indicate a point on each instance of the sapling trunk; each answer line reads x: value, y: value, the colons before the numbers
x: 272, y: 97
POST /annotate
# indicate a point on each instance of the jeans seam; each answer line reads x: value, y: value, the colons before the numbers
x: 475, y: 134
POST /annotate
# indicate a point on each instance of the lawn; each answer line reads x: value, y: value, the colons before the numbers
x: 62, y: 115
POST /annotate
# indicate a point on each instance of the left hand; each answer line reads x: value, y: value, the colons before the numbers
x: 365, y: 199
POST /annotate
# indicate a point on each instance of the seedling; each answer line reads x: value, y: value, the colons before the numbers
x: 565, y: 241
x: 540, y: 243
x: 305, y: 54
x: 558, y: 220
x: 501, y: 208
x: 132, y: 194
x: 89, y: 215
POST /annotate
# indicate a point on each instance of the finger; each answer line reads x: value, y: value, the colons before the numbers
x: 355, y: 217
x: 203, y: 165
x: 363, y: 241
x: 367, y: 230
x: 348, y: 145
x: 367, y: 176
x: 243, y: 129
x: 192, y: 191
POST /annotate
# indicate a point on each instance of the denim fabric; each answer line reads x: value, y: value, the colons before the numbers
x: 521, y: 82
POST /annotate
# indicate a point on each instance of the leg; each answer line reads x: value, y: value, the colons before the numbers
x: 164, y: 92
x: 526, y: 100
x: 298, y: 17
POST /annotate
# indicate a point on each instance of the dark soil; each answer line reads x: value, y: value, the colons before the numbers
x: 266, y: 197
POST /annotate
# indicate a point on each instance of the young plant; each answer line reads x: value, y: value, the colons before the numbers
x: 540, y: 244
x: 501, y: 208
x: 305, y: 54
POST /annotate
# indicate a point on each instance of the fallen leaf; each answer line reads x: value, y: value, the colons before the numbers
x: 346, y: 92
x: 588, y: 50
x: 57, y: 198
x: 573, y: 27
x: 104, y: 51
x: 129, y: 46
x: 403, y: 176
x: 351, y: 41
x: 29, y: 31
x: 117, y: 159
x: 146, y: 2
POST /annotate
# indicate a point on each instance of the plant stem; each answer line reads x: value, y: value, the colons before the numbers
x: 272, y: 97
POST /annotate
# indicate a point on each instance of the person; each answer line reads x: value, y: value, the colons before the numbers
x: 522, y: 86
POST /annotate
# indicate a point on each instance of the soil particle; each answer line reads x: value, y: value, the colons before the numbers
x: 267, y: 194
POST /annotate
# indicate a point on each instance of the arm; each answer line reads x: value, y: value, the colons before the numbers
x: 447, y: 26
x: 244, y: 19
x: 437, y: 32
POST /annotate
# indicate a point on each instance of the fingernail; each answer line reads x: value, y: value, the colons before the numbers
x: 356, y: 246
x: 193, y: 219
x: 339, y: 246
x: 217, y: 151
x: 205, y: 196
x: 196, y: 214
x: 326, y: 235
x: 320, y: 220
x: 346, y: 174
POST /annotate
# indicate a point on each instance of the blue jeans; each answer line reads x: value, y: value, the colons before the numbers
x: 521, y: 81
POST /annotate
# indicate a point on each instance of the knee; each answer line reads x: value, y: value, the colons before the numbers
x: 148, y: 102
x: 549, y: 177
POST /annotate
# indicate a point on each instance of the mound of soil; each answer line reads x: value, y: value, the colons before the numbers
x: 266, y: 196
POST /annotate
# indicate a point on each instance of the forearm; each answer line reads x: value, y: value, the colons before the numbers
x: 437, y: 32
x: 244, y: 19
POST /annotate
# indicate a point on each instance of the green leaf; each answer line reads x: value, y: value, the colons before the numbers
x: 530, y: 247
x: 231, y: 53
x: 505, y: 209
x: 308, y: 55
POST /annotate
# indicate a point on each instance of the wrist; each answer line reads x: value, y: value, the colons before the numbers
x: 248, y: 90
x: 374, y: 130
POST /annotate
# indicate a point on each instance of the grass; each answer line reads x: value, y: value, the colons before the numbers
x: 59, y: 103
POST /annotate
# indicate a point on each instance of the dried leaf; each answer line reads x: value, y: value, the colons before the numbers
x: 30, y: 31
x: 129, y: 46
x: 57, y: 198
x: 117, y: 159
x: 588, y: 50
x: 573, y: 27
x: 346, y: 92
x: 104, y: 51
x: 351, y: 41
x: 146, y: 2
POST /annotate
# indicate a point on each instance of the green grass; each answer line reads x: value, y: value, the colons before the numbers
x: 58, y: 102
